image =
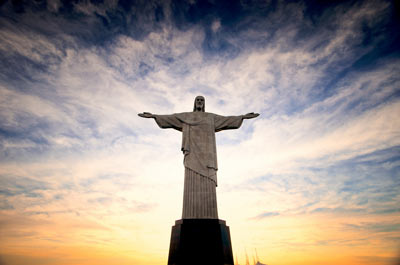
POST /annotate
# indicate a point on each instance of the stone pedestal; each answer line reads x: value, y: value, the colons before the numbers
x: 200, y: 241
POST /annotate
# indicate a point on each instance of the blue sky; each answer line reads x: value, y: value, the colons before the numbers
x: 324, y: 153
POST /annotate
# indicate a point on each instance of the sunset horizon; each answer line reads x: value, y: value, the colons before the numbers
x: 315, y: 179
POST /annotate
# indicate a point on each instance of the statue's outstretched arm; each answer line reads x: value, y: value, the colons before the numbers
x: 164, y: 121
x: 146, y: 115
x: 250, y: 115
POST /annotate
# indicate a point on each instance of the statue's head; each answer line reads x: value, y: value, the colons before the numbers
x: 199, y: 104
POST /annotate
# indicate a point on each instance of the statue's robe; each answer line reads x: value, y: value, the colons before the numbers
x: 199, y: 148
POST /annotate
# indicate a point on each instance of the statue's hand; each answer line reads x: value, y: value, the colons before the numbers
x: 250, y: 115
x: 146, y: 115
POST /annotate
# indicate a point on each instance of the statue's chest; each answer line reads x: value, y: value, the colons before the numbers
x: 199, y: 119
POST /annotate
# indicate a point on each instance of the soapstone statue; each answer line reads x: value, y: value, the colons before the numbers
x: 200, y: 154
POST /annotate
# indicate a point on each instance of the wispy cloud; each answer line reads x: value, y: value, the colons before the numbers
x: 76, y: 157
x: 266, y: 214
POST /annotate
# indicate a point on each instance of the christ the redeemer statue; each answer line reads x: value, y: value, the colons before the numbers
x: 200, y: 154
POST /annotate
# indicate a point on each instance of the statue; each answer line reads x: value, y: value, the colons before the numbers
x: 200, y: 155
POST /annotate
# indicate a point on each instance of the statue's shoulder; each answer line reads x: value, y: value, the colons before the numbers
x: 182, y: 114
x: 211, y: 115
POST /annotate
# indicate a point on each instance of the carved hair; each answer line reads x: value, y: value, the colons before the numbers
x: 204, y: 105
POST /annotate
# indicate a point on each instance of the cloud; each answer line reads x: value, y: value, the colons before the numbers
x: 266, y: 214
x: 15, y: 185
x: 74, y: 153
x: 375, y: 227
x: 378, y: 259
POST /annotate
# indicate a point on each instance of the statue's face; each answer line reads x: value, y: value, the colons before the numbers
x: 199, y: 103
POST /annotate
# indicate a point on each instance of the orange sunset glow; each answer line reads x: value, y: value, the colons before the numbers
x: 314, y: 180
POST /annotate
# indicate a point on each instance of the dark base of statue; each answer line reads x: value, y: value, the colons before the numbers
x: 200, y: 241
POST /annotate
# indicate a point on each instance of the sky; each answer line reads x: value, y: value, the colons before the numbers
x: 315, y: 179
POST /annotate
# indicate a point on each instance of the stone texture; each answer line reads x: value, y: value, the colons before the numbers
x: 199, y: 238
x: 199, y: 197
x: 199, y: 148
x: 198, y: 137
